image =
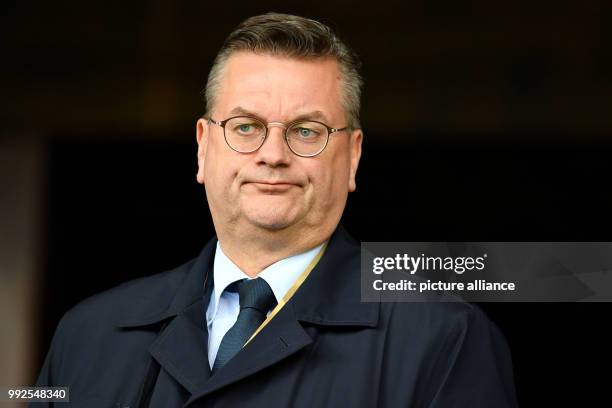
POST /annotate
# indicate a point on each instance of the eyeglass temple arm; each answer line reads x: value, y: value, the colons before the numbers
x: 211, y: 120
x: 334, y: 130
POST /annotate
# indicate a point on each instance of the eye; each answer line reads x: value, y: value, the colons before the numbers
x: 306, y: 133
x: 245, y: 128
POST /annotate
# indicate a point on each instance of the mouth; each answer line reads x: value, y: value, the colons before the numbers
x: 271, y: 186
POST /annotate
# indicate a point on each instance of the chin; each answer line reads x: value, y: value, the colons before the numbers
x: 273, y: 213
x: 271, y: 218
x: 271, y: 225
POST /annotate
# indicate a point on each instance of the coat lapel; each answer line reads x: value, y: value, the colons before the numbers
x: 181, y: 347
x: 330, y: 296
x: 281, y: 338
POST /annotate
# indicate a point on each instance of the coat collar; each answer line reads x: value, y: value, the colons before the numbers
x: 330, y: 296
x: 193, y: 277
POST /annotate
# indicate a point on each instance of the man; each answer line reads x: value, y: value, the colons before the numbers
x: 270, y: 314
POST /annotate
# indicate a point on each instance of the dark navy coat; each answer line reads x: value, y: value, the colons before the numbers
x: 143, y: 344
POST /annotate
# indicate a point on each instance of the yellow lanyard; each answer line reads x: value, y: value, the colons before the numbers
x: 290, y: 292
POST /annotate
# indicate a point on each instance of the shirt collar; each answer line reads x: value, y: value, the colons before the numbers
x: 280, y: 275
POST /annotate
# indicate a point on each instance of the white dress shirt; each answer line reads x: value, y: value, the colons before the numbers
x: 223, y: 308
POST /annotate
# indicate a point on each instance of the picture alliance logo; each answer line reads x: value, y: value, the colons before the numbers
x: 414, y: 264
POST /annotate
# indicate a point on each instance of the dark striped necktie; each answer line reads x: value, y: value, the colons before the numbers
x: 256, y: 299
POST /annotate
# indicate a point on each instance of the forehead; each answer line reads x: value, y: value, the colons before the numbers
x: 279, y: 87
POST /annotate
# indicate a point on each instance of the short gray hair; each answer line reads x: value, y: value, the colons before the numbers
x: 294, y: 37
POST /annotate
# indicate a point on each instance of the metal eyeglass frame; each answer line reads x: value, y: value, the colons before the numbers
x: 284, y: 126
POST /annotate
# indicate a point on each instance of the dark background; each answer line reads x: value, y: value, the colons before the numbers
x: 483, y: 122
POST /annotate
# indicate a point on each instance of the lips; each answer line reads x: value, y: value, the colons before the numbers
x: 272, y: 182
x: 268, y: 186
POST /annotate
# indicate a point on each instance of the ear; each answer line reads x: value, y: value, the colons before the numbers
x: 355, y: 151
x: 202, y: 130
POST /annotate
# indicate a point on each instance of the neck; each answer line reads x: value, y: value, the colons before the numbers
x: 256, y: 251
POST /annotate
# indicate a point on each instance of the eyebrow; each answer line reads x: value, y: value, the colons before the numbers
x: 313, y: 115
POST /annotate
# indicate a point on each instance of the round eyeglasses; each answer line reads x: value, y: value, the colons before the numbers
x: 305, y: 138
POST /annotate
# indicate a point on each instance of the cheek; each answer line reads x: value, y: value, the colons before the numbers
x: 220, y: 170
x: 331, y: 181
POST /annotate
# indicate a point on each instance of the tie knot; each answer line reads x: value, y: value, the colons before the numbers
x: 256, y: 294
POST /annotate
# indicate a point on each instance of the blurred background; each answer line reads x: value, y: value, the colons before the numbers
x: 483, y: 121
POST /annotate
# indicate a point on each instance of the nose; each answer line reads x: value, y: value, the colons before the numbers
x: 274, y: 152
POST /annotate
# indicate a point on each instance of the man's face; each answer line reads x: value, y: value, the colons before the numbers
x: 272, y: 188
